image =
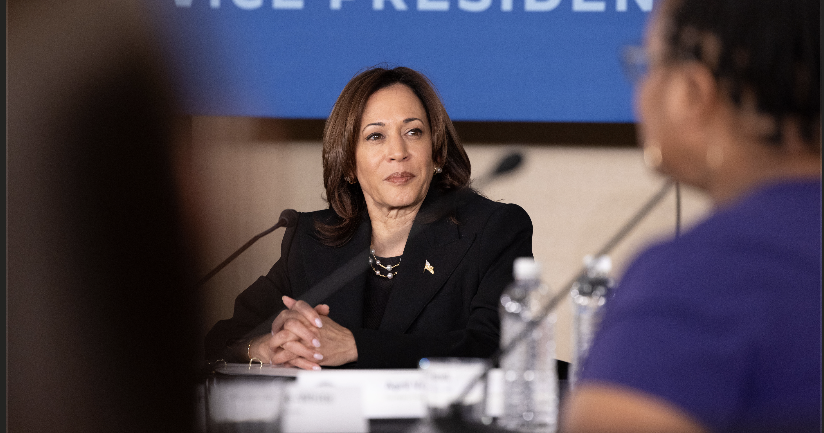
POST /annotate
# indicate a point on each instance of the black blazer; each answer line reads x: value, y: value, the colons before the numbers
x: 451, y: 312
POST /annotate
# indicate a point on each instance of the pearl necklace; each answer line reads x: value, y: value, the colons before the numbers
x: 374, y: 261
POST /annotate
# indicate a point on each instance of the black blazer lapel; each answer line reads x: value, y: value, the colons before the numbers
x: 336, y: 276
x: 438, y: 243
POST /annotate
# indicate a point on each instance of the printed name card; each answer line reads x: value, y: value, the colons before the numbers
x: 323, y: 409
x: 241, y: 401
x: 495, y: 392
x: 384, y: 393
x: 447, y: 378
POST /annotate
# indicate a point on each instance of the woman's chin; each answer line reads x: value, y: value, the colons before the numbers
x: 406, y: 196
x: 400, y: 203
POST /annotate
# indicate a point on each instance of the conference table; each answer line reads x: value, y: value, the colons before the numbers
x: 257, y: 398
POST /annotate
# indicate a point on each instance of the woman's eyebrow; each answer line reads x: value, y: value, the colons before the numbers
x: 373, y: 124
x: 407, y: 120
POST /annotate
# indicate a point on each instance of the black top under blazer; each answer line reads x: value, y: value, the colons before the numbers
x: 451, y: 312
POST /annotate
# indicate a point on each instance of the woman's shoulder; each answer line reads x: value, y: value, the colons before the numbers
x: 476, y: 201
x: 307, y: 221
x: 475, y: 208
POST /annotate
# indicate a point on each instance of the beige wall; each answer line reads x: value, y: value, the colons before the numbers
x: 577, y: 196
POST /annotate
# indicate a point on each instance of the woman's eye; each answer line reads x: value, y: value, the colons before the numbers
x: 374, y: 136
x: 415, y: 131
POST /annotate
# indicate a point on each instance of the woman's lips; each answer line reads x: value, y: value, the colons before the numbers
x: 400, y: 178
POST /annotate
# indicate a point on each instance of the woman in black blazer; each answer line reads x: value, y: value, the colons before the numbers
x: 408, y: 261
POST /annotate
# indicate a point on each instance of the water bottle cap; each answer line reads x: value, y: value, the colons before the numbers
x: 526, y: 268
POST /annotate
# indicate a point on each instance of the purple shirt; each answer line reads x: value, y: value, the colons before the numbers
x: 725, y: 321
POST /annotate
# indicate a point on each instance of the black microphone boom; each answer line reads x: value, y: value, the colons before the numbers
x: 506, y: 165
x: 509, y: 163
x: 288, y: 218
x: 565, y: 289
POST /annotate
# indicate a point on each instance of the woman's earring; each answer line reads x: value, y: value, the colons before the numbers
x: 438, y: 170
x: 652, y: 154
x: 350, y: 180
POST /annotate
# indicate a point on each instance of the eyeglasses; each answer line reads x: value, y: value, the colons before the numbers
x: 635, y: 62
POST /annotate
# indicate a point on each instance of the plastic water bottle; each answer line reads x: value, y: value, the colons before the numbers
x: 530, y: 379
x: 589, y: 295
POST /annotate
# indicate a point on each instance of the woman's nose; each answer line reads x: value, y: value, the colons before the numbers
x: 397, y: 148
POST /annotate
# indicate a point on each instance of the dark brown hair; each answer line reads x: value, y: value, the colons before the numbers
x: 768, y: 49
x: 340, y: 137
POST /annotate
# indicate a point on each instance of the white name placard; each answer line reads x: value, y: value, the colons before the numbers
x: 244, y: 401
x: 495, y: 392
x: 446, y: 379
x: 323, y: 409
x: 384, y: 393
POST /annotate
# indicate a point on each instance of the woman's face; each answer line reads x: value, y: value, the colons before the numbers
x: 659, y: 104
x: 393, y: 157
x: 651, y: 92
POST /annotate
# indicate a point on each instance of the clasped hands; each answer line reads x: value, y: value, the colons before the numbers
x: 306, y: 338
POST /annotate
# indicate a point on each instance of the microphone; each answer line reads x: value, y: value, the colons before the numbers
x: 563, y: 293
x: 288, y: 218
x: 507, y: 164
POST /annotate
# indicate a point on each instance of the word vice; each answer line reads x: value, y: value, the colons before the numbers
x: 441, y: 5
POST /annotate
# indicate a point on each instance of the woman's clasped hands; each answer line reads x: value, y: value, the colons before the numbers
x: 306, y: 338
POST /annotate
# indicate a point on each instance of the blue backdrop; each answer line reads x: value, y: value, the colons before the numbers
x: 491, y: 60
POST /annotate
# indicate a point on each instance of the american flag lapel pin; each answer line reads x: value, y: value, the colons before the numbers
x: 428, y: 267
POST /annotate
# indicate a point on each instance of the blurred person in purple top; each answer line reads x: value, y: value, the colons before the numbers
x: 720, y: 329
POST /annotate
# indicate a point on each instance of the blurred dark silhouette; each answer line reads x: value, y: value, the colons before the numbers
x: 101, y: 328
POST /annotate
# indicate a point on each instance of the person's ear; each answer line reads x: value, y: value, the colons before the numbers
x: 694, y: 94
